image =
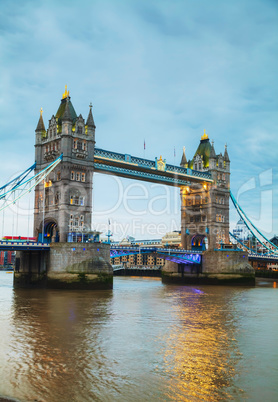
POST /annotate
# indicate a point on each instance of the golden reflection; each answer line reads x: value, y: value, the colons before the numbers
x: 202, y: 352
x: 274, y: 284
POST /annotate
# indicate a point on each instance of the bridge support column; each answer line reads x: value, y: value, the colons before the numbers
x: 30, y: 270
x: 80, y: 266
x: 219, y: 267
x: 65, y: 266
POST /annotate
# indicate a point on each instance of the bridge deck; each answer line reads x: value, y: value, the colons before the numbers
x: 143, y: 169
x: 16, y: 246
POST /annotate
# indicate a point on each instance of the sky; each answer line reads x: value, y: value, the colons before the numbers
x: 155, y: 71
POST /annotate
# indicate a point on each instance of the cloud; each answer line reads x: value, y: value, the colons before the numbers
x: 160, y: 71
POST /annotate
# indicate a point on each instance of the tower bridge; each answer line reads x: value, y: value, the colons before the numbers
x: 63, y: 201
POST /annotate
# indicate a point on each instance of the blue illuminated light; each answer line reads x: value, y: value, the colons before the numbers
x: 98, y: 249
x: 84, y: 249
x: 227, y: 255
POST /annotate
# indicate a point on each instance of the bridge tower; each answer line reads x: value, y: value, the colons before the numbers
x: 63, y: 204
x: 205, y: 207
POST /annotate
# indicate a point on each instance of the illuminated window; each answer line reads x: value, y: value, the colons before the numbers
x: 71, y: 199
x: 83, y: 177
x: 77, y: 176
x: 74, y: 144
x: 81, y: 201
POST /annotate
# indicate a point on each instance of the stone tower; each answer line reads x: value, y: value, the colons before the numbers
x: 63, y: 204
x: 205, y: 207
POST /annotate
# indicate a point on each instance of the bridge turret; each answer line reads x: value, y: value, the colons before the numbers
x: 40, y: 135
x: 184, y: 162
x: 90, y: 129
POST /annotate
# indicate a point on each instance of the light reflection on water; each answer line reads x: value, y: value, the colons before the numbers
x: 140, y: 341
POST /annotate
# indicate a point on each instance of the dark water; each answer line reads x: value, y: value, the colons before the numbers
x: 143, y: 341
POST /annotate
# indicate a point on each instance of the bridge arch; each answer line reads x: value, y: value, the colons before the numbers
x: 199, y: 242
x: 51, y: 231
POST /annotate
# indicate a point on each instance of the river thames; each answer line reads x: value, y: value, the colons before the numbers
x: 141, y: 341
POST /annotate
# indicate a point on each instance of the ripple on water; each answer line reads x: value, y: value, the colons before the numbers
x: 141, y: 341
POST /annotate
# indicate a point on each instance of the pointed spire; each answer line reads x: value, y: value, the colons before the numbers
x: 212, y: 151
x: 40, y: 126
x: 204, y: 136
x: 66, y: 114
x: 90, y: 120
x: 226, y: 156
x: 66, y: 93
x: 183, y: 159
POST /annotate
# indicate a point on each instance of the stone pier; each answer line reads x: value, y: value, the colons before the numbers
x: 219, y: 267
x: 66, y: 266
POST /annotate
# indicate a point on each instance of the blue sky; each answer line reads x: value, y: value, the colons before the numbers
x: 162, y: 71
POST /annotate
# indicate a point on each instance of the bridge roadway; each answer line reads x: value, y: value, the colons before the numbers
x: 176, y: 255
x: 157, y: 171
x: 23, y: 246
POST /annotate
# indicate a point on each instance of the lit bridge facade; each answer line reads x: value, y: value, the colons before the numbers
x: 179, y: 256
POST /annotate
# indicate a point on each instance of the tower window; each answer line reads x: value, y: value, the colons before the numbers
x: 83, y: 177
x: 72, y: 175
x: 58, y: 176
x: 84, y: 146
x: 79, y: 145
x: 79, y: 130
x: 77, y: 176
x: 71, y: 200
x: 81, y: 201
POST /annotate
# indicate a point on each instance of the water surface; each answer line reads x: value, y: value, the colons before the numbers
x: 141, y: 341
